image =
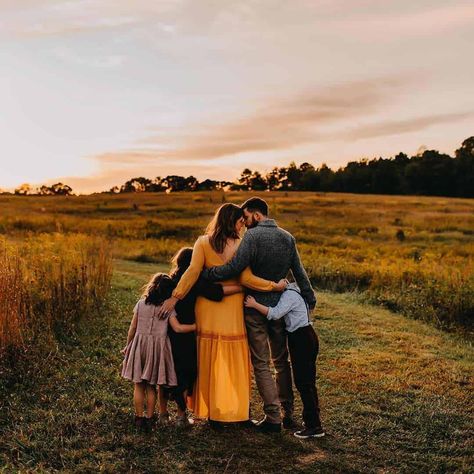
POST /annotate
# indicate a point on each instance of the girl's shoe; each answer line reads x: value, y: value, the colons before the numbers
x: 139, y: 422
x: 149, y: 423
x: 306, y: 433
x: 163, y: 419
x: 183, y: 422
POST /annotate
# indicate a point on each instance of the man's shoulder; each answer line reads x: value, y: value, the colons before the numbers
x: 289, y: 235
x: 270, y: 231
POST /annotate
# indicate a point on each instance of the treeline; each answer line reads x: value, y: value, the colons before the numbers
x: 58, y: 189
x: 429, y: 173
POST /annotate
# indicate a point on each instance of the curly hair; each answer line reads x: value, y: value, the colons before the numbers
x: 158, y: 289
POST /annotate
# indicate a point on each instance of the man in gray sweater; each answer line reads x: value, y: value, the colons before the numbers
x: 271, y: 253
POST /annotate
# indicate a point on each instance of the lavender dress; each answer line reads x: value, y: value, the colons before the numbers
x: 148, y: 356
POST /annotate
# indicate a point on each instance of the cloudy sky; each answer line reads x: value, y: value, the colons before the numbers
x: 93, y: 92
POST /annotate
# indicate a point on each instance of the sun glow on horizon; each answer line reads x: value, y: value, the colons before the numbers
x: 94, y: 96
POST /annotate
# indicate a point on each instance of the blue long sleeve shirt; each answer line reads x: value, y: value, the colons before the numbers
x: 292, y: 308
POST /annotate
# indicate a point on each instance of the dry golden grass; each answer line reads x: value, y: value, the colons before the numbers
x: 410, y: 253
x: 47, y: 283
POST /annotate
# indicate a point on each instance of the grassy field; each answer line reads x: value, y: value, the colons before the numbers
x: 395, y: 393
x: 408, y: 253
x: 47, y: 284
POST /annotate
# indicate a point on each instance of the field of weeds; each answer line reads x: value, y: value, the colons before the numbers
x: 409, y: 253
x: 47, y: 284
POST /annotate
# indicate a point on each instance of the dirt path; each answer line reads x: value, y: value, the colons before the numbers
x: 397, y: 396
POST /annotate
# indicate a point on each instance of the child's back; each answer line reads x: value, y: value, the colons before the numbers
x: 148, y: 356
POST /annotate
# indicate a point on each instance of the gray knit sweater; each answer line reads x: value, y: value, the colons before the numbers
x: 271, y: 252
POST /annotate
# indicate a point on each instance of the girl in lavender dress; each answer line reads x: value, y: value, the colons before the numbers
x: 148, y: 359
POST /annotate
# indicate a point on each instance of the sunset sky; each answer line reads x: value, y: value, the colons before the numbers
x: 95, y: 92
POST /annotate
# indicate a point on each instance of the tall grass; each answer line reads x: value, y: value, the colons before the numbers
x: 47, y: 283
x: 413, y: 254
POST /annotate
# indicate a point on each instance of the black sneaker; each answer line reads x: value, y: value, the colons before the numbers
x: 139, y: 422
x: 265, y: 426
x: 247, y: 424
x: 310, y: 433
x: 289, y: 423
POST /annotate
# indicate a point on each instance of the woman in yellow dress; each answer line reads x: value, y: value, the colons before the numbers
x: 223, y: 383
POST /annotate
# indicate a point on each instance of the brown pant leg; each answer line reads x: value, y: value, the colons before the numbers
x: 279, y: 350
x: 257, y: 333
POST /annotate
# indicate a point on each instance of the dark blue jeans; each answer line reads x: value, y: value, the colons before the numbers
x: 303, y: 346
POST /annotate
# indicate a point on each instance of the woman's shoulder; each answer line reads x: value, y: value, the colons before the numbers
x: 203, y: 240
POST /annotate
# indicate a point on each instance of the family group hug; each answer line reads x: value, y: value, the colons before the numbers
x: 227, y: 305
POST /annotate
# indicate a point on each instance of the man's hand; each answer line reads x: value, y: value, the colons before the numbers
x: 167, y: 306
x: 250, y: 302
x: 281, y: 285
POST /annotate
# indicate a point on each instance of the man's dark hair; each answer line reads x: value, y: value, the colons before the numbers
x: 255, y: 204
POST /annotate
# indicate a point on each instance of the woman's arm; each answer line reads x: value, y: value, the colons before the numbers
x: 232, y: 289
x: 187, y: 281
x: 180, y: 328
x: 249, y: 280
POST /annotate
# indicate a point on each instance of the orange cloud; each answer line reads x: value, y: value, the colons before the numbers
x: 279, y: 125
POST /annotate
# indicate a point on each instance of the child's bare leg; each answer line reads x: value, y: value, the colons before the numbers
x: 150, y: 400
x: 139, y: 398
x: 163, y: 400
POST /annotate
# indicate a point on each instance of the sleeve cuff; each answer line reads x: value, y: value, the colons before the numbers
x: 176, y: 295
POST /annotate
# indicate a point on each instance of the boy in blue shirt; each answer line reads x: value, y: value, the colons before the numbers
x: 303, y: 346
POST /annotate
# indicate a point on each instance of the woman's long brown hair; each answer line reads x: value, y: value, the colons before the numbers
x: 222, y: 226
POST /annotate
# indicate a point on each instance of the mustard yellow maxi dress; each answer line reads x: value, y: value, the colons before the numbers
x: 222, y: 391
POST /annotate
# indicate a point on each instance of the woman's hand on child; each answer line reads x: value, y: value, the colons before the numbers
x: 281, y: 285
x: 249, y: 302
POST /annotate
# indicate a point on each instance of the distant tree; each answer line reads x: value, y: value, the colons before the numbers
x: 208, y: 185
x: 245, y: 179
x: 61, y: 189
x: 355, y: 177
x: 385, y: 176
x: 45, y: 191
x: 257, y: 182
x: 273, y: 179
x: 309, y: 179
x: 293, y: 176
x: 136, y: 185
x: 465, y: 168
x: 431, y: 174
x: 174, y: 183
x: 24, y: 190
x: 114, y: 190
x: 155, y: 185
x: 326, y: 178
x: 191, y: 183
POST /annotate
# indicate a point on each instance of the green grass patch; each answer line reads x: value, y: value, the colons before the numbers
x: 395, y: 396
